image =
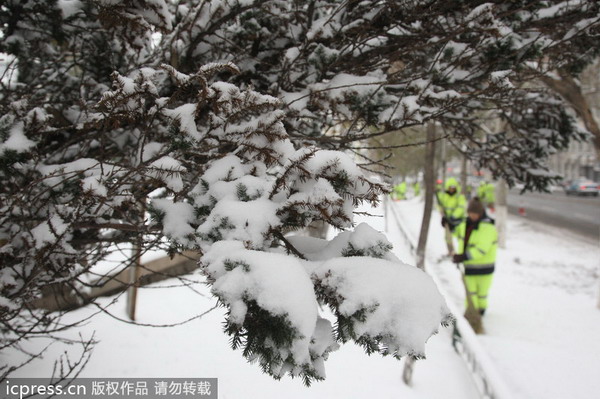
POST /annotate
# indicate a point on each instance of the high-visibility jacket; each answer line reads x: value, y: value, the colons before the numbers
x: 417, y: 189
x: 481, y: 246
x: 453, y: 206
x: 400, y: 191
x: 486, y: 193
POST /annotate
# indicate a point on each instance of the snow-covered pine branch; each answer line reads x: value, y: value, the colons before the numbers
x: 243, y: 205
x: 218, y: 172
x: 361, y: 69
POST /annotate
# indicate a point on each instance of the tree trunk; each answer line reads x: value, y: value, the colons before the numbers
x: 501, y: 211
x: 135, y: 267
x: 571, y: 92
x: 429, y: 181
x: 134, y: 276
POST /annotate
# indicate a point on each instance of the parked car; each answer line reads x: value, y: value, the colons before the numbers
x: 582, y: 187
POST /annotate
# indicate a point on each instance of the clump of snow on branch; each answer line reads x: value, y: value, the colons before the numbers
x: 385, y: 306
x: 273, y: 289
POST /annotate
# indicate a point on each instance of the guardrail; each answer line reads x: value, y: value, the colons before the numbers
x: 486, y: 378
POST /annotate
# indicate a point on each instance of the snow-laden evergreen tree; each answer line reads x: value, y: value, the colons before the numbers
x: 346, y: 66
x: 104, y: 144
x: 215, y: 126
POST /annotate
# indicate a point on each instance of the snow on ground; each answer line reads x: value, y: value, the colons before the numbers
x: 200, y: 349
x: 542, y: 324
x: 542, y: 329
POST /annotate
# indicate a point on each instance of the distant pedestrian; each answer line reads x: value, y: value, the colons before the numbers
x: 416, y: 189
x: 452, y: 205
x: 399, y: 192
x: 487, y: 194
x: 468, y: 191
x: 477, y: 241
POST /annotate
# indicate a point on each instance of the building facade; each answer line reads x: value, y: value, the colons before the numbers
x: 579, y: 160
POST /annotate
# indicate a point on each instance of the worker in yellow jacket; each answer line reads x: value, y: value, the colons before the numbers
x: 399, y: 192
x: 416, y: 188
x: 487, y: 194
x: 452, y: 203
x: 477, y: 242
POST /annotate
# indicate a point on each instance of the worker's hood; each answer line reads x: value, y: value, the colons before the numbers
x: 451, y: 181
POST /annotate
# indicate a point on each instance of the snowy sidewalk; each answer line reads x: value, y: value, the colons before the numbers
x: 542, y: 331
x: 200, y: 349
x: 542, y: 325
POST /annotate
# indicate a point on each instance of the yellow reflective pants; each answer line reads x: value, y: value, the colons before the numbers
x: 478, y: 287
